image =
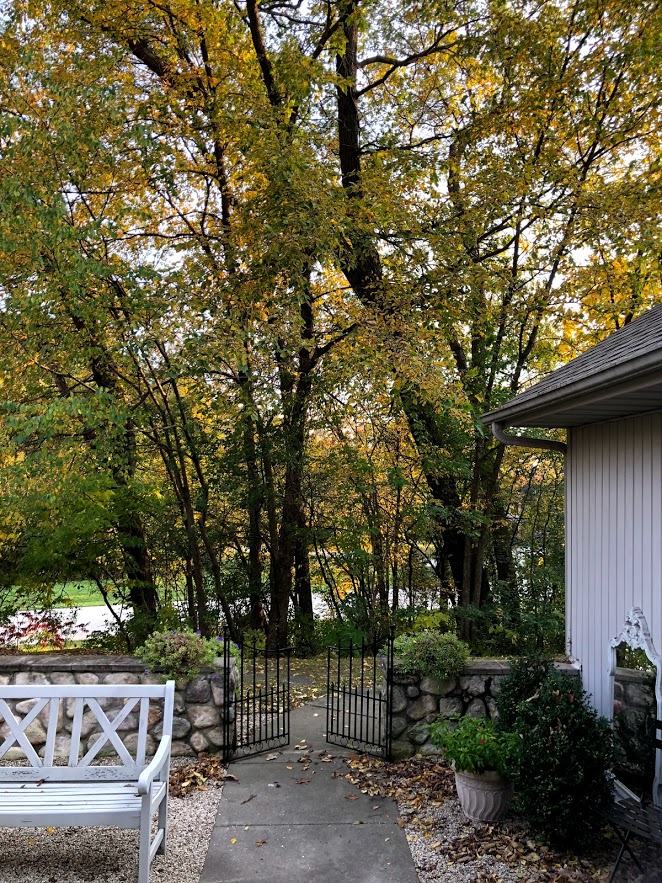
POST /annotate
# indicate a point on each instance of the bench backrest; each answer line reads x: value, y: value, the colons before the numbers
x: 83, y: 705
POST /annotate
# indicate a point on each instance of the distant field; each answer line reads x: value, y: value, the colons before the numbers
x: 81, y: 593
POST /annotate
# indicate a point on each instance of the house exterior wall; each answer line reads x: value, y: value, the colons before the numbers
x: 613, y: 540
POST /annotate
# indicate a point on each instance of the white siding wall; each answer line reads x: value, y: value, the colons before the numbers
x: 613, y: 539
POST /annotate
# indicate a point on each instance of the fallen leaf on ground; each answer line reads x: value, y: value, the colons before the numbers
x: 196, y: 776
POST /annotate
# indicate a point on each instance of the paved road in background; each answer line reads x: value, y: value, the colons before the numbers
x: 96, y: 619
x: 86, y: 619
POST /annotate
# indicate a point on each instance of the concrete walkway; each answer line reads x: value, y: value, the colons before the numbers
x: 296, y: 825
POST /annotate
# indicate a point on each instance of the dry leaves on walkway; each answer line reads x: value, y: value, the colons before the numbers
x: 193, y: 776
x: 422, y: 787
x: 417, y: 781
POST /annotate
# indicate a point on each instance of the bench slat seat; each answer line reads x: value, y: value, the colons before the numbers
x: 61, y: 804
x: 641, y: 819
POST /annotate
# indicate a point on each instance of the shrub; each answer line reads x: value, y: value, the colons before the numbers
x: 474, y: 745
x: 45, y: 630
x: 333, y: 632
x: 522, y: 681
x: 431, y: 654
x: 179, y: 654
x: 408, y: 620
x: 561, y: 761
x: 254, y: 638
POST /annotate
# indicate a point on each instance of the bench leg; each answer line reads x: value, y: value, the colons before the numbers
x: 145, y: 840
x: 624, y: 846
x: 163, y: 823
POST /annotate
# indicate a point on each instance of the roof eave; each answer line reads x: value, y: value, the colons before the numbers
x: 619, y: 380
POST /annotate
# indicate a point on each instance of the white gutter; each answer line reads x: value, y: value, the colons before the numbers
x: 525, y: 441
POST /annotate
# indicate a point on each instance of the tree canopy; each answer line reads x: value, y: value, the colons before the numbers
x: 264, y: 264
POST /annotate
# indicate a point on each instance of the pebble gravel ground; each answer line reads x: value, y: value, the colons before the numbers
x: 80, y: 855
x: 428, y: 854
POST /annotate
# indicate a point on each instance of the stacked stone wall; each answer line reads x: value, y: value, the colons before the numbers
x: 201, y: 706
x: 418, y: 701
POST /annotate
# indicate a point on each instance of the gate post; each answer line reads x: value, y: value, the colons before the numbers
x: 230, y: 707
x: 388, y: 725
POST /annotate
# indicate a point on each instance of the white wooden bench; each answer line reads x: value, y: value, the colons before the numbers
x: 78, y: 792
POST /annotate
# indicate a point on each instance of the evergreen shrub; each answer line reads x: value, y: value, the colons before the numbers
x: 180, y: 654
x: 521, y: 682
x: 430, y: 654
x: 561, y: 763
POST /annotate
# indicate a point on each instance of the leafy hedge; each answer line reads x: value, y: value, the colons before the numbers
x: 431, y: 654
x: 562, y: 758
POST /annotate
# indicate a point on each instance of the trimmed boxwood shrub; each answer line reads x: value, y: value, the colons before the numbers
x: 431, y: 654
x: 562, y: 761
x: 180, y: 654
x: 521, y: 682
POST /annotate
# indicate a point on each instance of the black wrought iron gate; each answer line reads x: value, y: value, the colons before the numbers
x: 360, y: 695
x: 259, y: 720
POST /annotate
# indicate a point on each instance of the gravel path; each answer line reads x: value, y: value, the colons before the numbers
x: 79, y: 855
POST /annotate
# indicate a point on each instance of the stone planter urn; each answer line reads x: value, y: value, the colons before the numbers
x: 484, y: 797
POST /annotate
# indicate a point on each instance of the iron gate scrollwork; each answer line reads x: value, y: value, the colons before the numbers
x: 259, y: 718
x: 360, y: 695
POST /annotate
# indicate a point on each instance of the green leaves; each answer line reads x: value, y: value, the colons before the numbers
x: 195, y: 308
x: 431, y: 654
x: 474, y: 745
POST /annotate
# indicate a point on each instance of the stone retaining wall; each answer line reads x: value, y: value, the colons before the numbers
x: 418, y: 701
x: 200, y: 704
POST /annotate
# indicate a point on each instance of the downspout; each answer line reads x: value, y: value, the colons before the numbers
x: 545, y: 444
x: 524, y: 441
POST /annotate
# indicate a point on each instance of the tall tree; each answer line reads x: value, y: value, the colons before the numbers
x: 270, y: 176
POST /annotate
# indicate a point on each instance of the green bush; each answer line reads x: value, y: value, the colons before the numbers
x: 331, y: 632
x: 561, y: 762
x: 522, y: 681
x: 431, y: 654
x: 409, y: 620
x: 254, y: 638
x: 474, y: 745
x: 179, y: 654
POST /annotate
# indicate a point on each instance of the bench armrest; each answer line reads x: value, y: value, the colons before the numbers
x: 159, y: 760
x: 622, y: 792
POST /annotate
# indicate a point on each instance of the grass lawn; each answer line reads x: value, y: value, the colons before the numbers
x: 78, y: 593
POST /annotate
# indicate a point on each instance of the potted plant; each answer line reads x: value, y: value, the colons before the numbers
x: 479, y: 755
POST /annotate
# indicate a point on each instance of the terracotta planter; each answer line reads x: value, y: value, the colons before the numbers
x: 484, y: 797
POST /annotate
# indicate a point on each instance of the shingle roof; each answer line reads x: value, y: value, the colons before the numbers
x: 634, y: 351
